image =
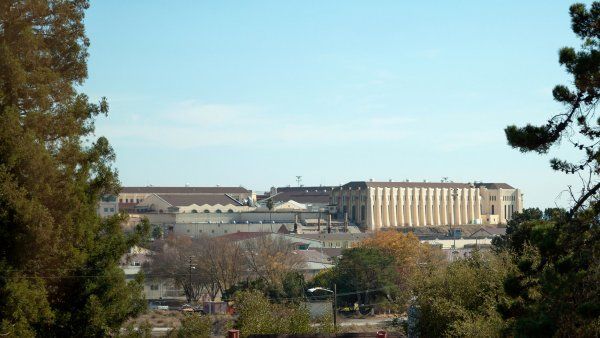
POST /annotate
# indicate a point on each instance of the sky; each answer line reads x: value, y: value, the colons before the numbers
x: 254, y: 93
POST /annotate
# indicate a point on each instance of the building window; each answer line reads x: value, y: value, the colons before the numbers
x: 154, y: 287
x: 206, y: 211
x: 112, y: 209
x: 194, y: 211
x: 218, y: 211
x: 105, y: 209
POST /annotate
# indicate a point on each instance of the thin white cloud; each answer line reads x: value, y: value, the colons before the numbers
x: 190, y: 124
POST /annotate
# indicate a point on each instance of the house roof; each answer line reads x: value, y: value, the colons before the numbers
x: 182, y: 190
x: 487, y: 232
x: 178, y: 200
x: 242, y: 236
x: 332, y: 252
x: 339, y: 236
x: 313, y: 256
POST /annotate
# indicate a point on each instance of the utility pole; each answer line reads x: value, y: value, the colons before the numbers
x: 299, y: 179
x: 190, y: 279
x: 319, y: 223
x: 334, y: 307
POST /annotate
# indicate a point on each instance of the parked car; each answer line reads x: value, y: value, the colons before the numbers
x: 186, y: 308
x: 158, y: 306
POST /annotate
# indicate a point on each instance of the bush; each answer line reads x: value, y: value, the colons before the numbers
x: 259, y: 316
x: 193, y: 326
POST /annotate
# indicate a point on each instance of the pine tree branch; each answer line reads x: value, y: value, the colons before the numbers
x: 583, y: 199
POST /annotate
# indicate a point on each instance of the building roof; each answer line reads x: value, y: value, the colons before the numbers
x: 313, y: 256
x: 185, y: 190
x: 242, y: 236
x: 369, y: 184
x: 494, y: 185
x: 300, y: 189
x: 337, y: 236
x: 198, y: 199
x: 488, y: 232
x: 304, y: 195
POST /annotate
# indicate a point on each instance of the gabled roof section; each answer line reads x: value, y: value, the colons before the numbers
x: 185, y: 190
x: 181, y: 200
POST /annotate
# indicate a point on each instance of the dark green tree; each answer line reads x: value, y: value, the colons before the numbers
x: 577, y: 125
x: 58, y: 260
x: 364, y: 275
x: 555, y: 290
x: 460, y: 299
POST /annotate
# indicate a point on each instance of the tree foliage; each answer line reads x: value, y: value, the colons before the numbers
x: 558, y: 265
x: 554, y: 291
x: 381, y: 271
x: 193, y: 326
x: 257, y: 315
x: 58, y: 259
x: 460, y: 300
x: 578, y: 124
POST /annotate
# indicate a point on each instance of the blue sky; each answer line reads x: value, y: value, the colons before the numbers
x: 254, y: 93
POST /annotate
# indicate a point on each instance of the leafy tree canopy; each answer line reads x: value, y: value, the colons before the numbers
x: 58, y: 259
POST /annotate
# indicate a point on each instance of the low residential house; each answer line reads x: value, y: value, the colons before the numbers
x: 315, y: 261
x: 191, y: 203
x: 108, y: 206
x: 155, y: 287
x: 341, y: 240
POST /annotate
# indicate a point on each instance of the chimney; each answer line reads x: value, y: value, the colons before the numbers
x: 329, y: 225
x: 346, y: 222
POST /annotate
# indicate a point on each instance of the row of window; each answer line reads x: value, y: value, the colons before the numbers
x: 130, y: 200
x: 212, y: 231
x: 111, y: 209
x: 206, y: 211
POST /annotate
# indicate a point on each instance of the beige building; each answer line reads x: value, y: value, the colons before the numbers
x: 191, y: 203
x: 130, y: 196
x: 375, y: 205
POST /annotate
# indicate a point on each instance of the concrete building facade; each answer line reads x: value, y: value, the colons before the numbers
x: 375, y: 205
x: 131, y: 196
